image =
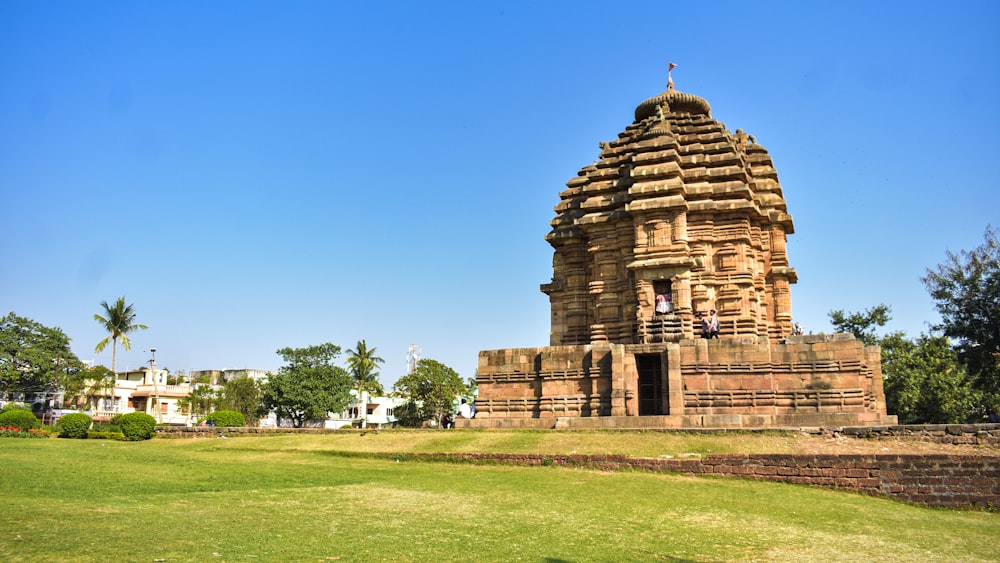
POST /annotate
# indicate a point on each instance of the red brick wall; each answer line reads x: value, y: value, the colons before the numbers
x: 933, y: 480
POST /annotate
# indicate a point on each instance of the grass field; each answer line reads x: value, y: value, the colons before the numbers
x: 298, y: 498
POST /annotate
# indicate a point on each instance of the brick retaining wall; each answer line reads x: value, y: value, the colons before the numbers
x: 933, y: 480
x: 214, y: 431
x: 971, y: 434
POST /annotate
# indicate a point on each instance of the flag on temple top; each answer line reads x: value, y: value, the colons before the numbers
x: 672, y: 65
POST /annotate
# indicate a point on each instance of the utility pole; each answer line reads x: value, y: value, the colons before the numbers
x: 156, y: 388
x: 50, y: 401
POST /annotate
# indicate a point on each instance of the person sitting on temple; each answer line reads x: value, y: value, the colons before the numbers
x: 713, y: 326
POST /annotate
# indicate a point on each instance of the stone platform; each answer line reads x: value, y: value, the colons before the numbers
x: 805, y: 381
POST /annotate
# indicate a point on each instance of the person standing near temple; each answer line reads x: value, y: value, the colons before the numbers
x: 713, y: 325
x: 464, y: 410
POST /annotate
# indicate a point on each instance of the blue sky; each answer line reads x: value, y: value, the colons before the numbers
x: 256, y: 175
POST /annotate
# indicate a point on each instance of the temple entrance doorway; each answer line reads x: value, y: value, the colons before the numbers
x: 650, y: 384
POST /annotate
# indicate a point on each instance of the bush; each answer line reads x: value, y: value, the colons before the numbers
x: 226, y: 418
x: 19, y: 418
x: 105, y: 436
x: 74, y: 425
x: 15, y: 407
x: 137, y: 426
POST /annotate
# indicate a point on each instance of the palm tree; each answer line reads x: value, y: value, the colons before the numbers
x: 119, y: 321
x: 363, y: 365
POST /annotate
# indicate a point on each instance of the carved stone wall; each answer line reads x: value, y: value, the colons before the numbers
x: 678, y: 200
x: 736, y: 383
x: 679, y: 216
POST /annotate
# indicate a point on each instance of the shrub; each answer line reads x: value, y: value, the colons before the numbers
x: 19, y: 418
x: 226, y: 418
x: 92, y: 435
x: 15, y: 407
x: 74, y: 425
x: 410, y: 414
x: 137, y: 426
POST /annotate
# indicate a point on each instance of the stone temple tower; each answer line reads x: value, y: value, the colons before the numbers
x: 677, y: 218
x: 676, y: 206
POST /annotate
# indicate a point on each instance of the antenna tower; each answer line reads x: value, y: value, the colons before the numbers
x: 412, y: 357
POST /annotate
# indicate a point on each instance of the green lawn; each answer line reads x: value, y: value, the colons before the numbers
x: 293, y: 498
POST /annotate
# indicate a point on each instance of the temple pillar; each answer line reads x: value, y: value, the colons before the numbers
x: 618, y: 381
x: 673, y: 380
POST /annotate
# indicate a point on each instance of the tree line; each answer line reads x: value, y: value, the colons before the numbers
x: 35, y: 359
x: 310, y: 385
x: 950, y: 374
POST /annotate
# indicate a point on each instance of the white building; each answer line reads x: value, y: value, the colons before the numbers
x: 142, y: 390
x: 379, y: 412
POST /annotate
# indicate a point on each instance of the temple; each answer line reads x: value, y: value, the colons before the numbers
x: 679, y: 222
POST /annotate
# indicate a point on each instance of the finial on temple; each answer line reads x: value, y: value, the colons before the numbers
x: 670, y: 79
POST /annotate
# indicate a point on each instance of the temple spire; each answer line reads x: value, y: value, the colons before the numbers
x: 670, y: 79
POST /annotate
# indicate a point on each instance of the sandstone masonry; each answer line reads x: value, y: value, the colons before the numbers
x: 679, y: 217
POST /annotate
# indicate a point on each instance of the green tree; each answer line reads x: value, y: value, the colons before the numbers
x: 243, y: 395
x: 309, y: 386
x: 100, y: 381
x: 925, y: 382
x: 966, y: 292
x: 203, y: 378
x: 862, y: 325
x: 362, y: 364
x: 202, y: 400
x: 119, y: 321
x: 409, y: 414
x: 175, y: 378
x: 34, y: 358
x: 431, y: 389
x: 227, y: 418
x: 923, y: 379
x: 73, y: 381
x: 472, y: 388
